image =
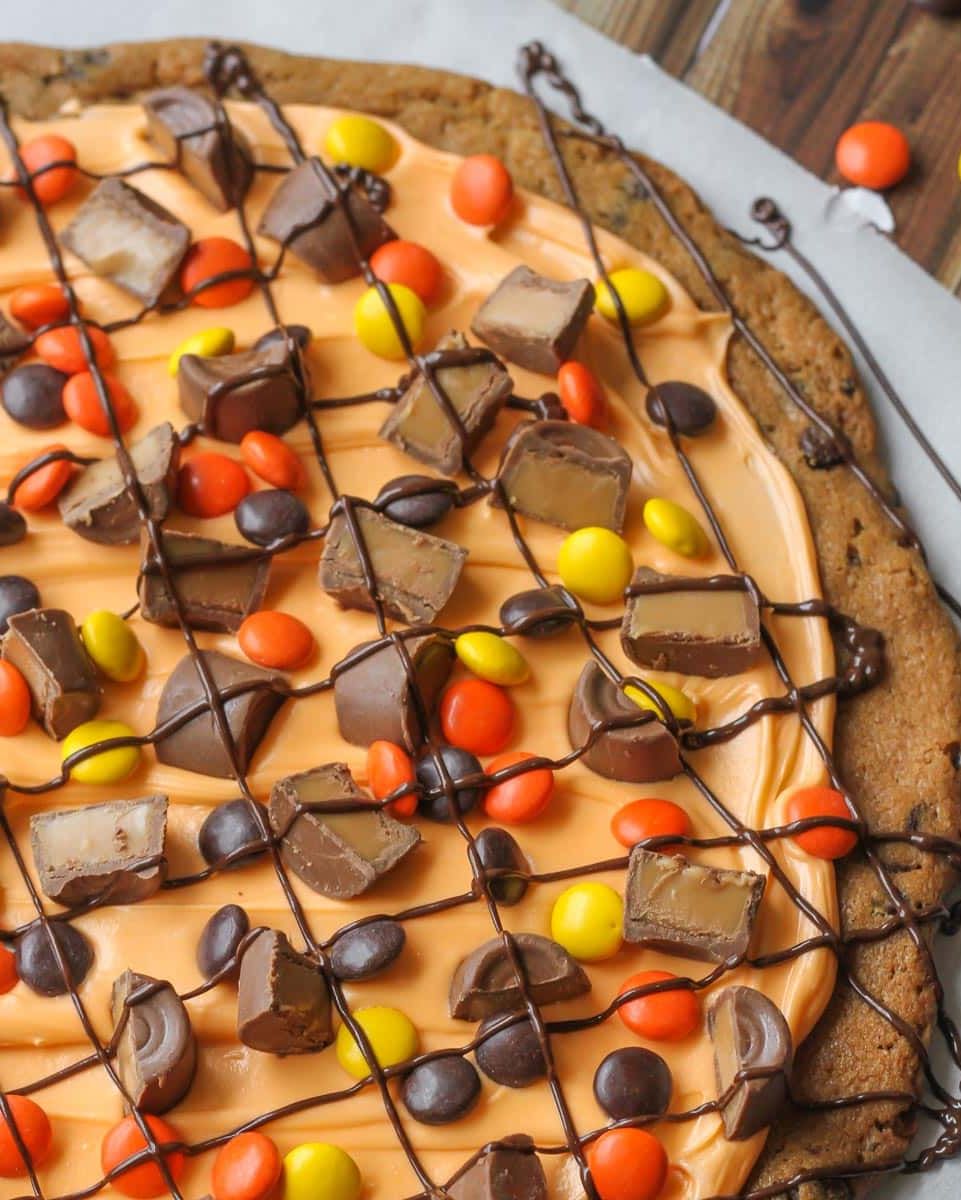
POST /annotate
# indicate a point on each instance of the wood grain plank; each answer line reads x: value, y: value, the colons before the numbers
x: 669, y: 30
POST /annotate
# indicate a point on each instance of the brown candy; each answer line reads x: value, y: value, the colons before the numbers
x: 688, y: 909
x: 304, y: 214
x: 283, y: 1005
x: 97, y: 503
x: 416, y: 572
x: 156, y: 1050
x: 534, y: 321
x: 338, y: 854
x: 566, y: 474
x: 100, y: 851
x: 45, y: 647
x: 485, y: 982
x: 476, y: 390
x: 674, y: 623
x: 217, y: 594
x: 13, y: 343
x: 123, y: 235
x: 509, y: 1171
x: 752, y: 1059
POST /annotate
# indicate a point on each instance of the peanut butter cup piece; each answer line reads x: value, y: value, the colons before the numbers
x: 45, y: 647
x: 283, y: 1005
x: 510, y: 1170
x: 485, y: 982
x: 752, y: 1059
x: 156, y: 1050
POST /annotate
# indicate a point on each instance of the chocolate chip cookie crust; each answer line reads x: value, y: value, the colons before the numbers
x: 895, y: 745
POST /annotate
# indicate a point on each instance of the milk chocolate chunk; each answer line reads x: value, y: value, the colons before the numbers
x: 534, y: 321
x: 416, y: 572
x: 485, y: 982
x: 230, y: 395
x: 374, y: 699
x: 123, y: 235
x: 749, y: 1034
x: 305, y: 215
x: 477, y: 391
x: 642, y: 753
x: 338, y: 854
x: 44, y: 645
x: 509, y: 1171
x: 197, y: 746
x: 566, y: 474
x: 685, y: 908
x: 97, y: 503
x: 113, y: 851
x: 694, y: 630
x: 213, y: 156
x: 283, y: 1006
x: 156, y: 1050
x: 225, y: 586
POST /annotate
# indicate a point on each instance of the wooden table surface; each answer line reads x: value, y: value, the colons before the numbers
x: 800, y: 71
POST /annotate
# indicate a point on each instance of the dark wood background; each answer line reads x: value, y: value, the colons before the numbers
x: 800, y: 71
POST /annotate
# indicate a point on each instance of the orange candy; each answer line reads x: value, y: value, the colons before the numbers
x: 53, y: 184
x: 481, y: 190
x: 627, y: 1164
x: 410, y: 264
x: 37, y: 304
x: 14, y: 701
x: 275, y: 639
x: 44, y: 485
x: 33, y: 1125
x: 389, y: 767
x: 477, y: 716
x: 211, y: 257
x: 81, y: 403
x: 62, y: 348
x: 828, y: 841
x: 272, y: 459
x: 873, y: 154
x: 663, y: 1016
x: 246, y: 1168
x: 145, y: 1180
x: 582, y: 395
x: 648, y: 818
x: 8, y: 970
x: 211, y: 484
x: 522, y: 798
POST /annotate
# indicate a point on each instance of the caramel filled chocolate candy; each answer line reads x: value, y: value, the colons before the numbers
x: 338, y: 854
x: 97, y: 503
x: 416, y: 572
x: 113, y: 850
x: 304, y: 214
x: 750, y: 1035
x: 45, y: 647
x: 214, y: 157
x: 672, y: 624
x: 283, y: 1006
x: 156, y: 1050
x: 566, y: 474
x: 485, y: 982
x: 231, y: 394
x: 641, y: 753
x: 685, y: 908
x: 534, y: 321
x: 225, y: 586
x: 123, y: 235
x: 373, y: 696
x: 476, y: 390
x: 196, y: 745
x: 509, y: 1171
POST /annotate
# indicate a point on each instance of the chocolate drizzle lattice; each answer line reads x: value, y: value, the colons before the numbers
x: 227, y: 68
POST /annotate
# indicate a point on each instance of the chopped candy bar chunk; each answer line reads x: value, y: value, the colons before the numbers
x: 45, y: 647
x: 283, y: 1006
x: 485, y: 982
x: 157, y: 1050
x: 750, y: 1034
x: 231, y: 394
x: 509, y: 1171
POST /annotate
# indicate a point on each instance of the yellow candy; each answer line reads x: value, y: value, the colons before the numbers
x: 392, y: 1038
x: 587, y: 920
x: 374, y: 326
x: 492, y: 658
x: 674, y: 527
x: 113, y: 646
x: 643, y: 295
x: 319, y: 1171
x: 595, y: 564
x: 108, y: 767
x: 208, y: 343
x: 360, y: 142
x: 680, y: 703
